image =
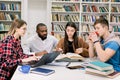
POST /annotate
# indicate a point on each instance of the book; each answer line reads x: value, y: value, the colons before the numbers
x: 42, y: 71
x: 62, y: 64
x: 70, y: 57
x: 100, y: 65
x: 104, y: 72
x: 112, y: 75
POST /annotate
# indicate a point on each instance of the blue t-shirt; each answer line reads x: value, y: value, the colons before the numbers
x: 115, y: 59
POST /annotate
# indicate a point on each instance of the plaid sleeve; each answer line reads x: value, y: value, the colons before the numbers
x: 11, y: 55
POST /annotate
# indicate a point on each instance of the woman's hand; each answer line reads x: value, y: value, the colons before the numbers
x: 79, y: 50
x: 32, y: 58
x: 59, y: 49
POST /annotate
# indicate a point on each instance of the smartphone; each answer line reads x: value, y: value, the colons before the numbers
x: 75, y: 67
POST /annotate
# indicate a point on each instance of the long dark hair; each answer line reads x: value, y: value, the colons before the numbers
x: 75, y: 38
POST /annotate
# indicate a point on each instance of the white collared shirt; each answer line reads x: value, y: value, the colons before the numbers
x: 36, y: 44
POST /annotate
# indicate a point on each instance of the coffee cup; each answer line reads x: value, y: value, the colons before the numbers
x: 24, y: 69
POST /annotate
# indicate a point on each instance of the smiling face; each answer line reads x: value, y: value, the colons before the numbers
x: 70, y: 31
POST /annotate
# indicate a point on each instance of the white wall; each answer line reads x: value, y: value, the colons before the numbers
x: 37, y: 13
x: 33, y: 12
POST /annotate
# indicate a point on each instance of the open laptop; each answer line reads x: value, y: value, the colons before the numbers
x: 46, y: 58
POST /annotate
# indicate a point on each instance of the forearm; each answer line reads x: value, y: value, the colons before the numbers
x: 9, y: 63
x: 100, y: 52
x: 41, y: 53
x: 85, y: 53
x: 91, y: 51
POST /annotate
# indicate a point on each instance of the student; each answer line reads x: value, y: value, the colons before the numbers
x: 40, y: 44
x: 11, y: 53
x: 107, y: 47
x: 71, y: 42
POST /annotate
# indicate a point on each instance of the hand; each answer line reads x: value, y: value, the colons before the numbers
x: 93, y: 36
x: 41, y: 53
x: 59, y: 49
x: 32, y: 58
x: 79, y: 50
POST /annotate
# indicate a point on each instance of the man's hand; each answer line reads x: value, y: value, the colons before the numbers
x: 41, y: 53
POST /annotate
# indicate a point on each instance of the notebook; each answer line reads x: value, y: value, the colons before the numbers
x: 42, y: 71
x: 46, y: 58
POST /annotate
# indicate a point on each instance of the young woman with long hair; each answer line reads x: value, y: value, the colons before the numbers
x: 11, y: 53
x: 71, y: 42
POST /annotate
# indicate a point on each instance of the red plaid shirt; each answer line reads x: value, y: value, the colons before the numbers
x: 11, y: 54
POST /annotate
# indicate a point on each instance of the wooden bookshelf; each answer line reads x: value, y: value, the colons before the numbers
x: 9, y: 10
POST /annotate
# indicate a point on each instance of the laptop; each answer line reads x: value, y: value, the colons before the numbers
x: 46, y: 58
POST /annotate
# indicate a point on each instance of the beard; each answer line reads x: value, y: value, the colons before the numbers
x: 43, y: 37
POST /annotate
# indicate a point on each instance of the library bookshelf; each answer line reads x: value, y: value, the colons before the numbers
x: 83, y: 13
x: 9, y: 10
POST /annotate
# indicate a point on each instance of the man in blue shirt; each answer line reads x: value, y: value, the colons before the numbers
x: 107, y: 47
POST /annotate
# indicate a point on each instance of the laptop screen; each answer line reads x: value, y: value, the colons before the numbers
x: 46, y: 58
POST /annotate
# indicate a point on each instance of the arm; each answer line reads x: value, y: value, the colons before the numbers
x: 103, y: 54
x: 91, y: 49
x: 60, y: 45
x: 12, y: 56
x: 9, y: 57
x: 83, y: 50
x: 106, y: 54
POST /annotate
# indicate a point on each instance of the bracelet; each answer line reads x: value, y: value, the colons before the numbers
x: 96, y: 41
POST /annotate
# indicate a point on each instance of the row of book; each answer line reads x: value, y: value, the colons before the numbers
x: 87, y: 28
x: 84, y: 28
x: 91, y: 0
x: 65, y: 0
x: 95, y: 0
x: 90, y: 28
x: 115, y: 9
x: 10, y: 6
x: 116, y: 28
x: 4, y: 27
x: 91, y: 18
x: 61, y: 27
x: 65, y: 8
x: 94, y: 8
x: 68, y: 17
x: 9, y: 16
x: 115, y: 0
x: 58, y: 27
x: 2, y: 36
x: 114, y: 18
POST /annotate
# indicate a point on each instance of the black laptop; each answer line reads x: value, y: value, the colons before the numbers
x: 46, y: 58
